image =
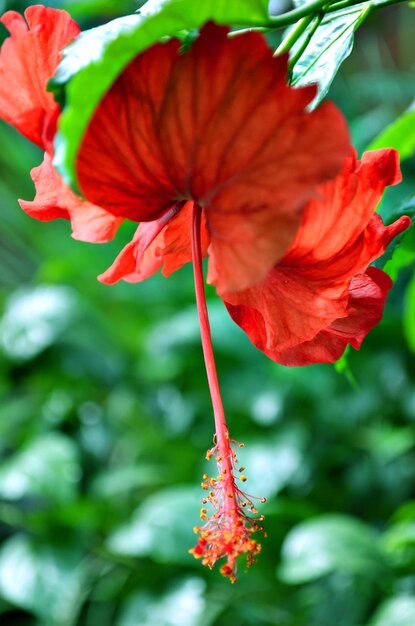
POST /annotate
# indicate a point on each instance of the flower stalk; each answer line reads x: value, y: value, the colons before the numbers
x: 227, y: 532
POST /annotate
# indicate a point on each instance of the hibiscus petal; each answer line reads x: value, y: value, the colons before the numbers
x: 28, y: 59
x: 365, y: 309
x: 162, y: 244
x: 285, y: 309
x: 45, y: 206
x: 309, y: 290
x: 336, y: 218
x: 54, y: 199
x: 217, y: 125
x: 138, y: 259
x: 366, y: 299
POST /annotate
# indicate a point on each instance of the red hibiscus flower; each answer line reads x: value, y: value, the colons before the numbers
x: 217, y: 156
x: 321, y: 295
x: 217, y: 125
x: 28, y: 60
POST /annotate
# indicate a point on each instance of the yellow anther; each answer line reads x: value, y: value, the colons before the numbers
x: 219, y: 458
x: 205, y: 477
x: 243, y: 478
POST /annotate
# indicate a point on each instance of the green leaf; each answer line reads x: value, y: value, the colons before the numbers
x: 157, y: 528
x: 399, y: 544
x: 397, y: 611
x: 183, y: 604
x: 43, y: 579
x: 327, y: 544
x: 409, y: 314
x: 81, y: 9
x: 48, y: 468
x: 329, y: 46
x: 95, y: 59
x: 399, y: 135
x: 35, y: 318
x: 401, y: 251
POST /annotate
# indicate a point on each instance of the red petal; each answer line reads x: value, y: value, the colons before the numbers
x: 334, y: 221
x: 28, y: 60
x: 54, y: 199
x: 309, y: 289
x: 286, y: 308
x: 138, y: 260
x: 218, y: 125
x: 365, y: 308
x: 158, y: 244
x: 366, y: 299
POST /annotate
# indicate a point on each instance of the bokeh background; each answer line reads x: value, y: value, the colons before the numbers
x: 105, y: 419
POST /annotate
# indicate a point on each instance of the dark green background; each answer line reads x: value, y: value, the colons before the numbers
x: 105, y: 418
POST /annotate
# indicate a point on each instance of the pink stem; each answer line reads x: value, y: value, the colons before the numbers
x: 222, y: 435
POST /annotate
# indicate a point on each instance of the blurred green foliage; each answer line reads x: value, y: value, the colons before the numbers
x: 105, y: 418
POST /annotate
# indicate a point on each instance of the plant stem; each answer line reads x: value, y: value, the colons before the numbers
x: 295, y: 57
x: 212, y: 376
x: 294, y: 34
x: 300, y: 12
x: 343, y: 4
x: 310, y: 9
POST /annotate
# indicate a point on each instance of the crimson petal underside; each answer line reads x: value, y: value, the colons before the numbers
x: 321, y: 291
x: 28, y: 59
x: 218, y: 125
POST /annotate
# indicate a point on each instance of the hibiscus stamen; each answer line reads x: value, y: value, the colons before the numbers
x: 227, y: 531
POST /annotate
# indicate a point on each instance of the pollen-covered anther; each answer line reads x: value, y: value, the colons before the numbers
x: 228, y: 529
x: 227, y: 538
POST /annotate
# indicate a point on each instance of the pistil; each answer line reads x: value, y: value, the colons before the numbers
x: 228, y: 528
